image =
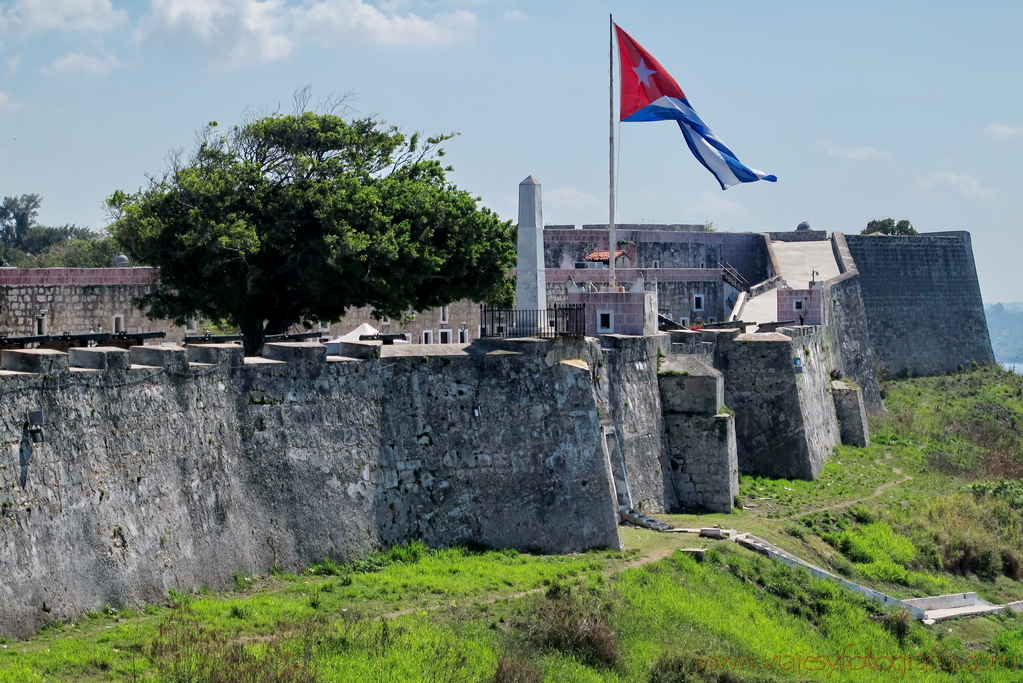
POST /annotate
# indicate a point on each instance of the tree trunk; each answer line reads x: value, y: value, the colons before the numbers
x: 254, y: 335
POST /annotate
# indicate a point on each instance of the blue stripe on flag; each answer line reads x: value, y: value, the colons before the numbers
x: 692, y: 127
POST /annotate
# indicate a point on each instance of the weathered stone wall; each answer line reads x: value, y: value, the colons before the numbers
x: 634, y: 405
x: 816, y: 405
x: 799, y: 236
x: 851, y: 413
x: 746, y: 252
x: 677, y: 299
x: 699, y: 442
x: 922, y: 301
x: 175, y: 475
x: 784, y: 418
x: 845, y: 325
x: 75, y: 300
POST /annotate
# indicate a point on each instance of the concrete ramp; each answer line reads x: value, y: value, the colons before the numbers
x: 797, y: 263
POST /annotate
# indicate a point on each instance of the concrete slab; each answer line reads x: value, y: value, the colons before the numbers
x: 797, y: 261
x: 761, y: 309
x: 935, y: 615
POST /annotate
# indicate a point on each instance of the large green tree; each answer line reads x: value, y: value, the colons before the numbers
x: 888, y: 226
x: 295, y: 218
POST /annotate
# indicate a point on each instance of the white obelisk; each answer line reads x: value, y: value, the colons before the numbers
x: 531, y: 276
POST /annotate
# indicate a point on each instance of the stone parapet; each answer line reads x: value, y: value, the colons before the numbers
x: 99, y: 358
x: 38, y: 361
x: 159, y: 356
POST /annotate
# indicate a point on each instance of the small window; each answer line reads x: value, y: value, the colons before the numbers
x: 427, y: 336
x: 445, y: 336
x: 191, y: 325
x: 463, y: 336
x: 581, y: 265
x: 657, y: 264
x: 684, y: 322
x: 41, y: 325
x: 385, y: 320
x: 799, y: 304
x: 118, y: 324
x: 443, y: 314
x: 606, y: 321
x: 698, y: 302
x: 324, y: 326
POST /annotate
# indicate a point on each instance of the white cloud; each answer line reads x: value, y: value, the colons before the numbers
x: 333, y: 21
x: 74, y: 63
x: 570, y: 204
x: 238, y: 32
x: 961, y: 184
x: 7, y: 105
x: 515, y: 14
x: 13, y: 63
x: 244, y: 32
x: 1000, y: 131
x: 712, y: 206
x: 67, y: 15
x: 855, y: 153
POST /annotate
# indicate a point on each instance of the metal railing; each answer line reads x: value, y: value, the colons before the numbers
x: 567, y: 320
x: 733, y: 277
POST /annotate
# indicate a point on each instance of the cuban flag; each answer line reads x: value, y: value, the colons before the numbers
x: 649, y: 93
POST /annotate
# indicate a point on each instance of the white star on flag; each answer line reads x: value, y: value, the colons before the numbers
x: 643, y: 73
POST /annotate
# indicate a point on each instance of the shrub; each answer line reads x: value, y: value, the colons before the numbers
x: 512, y: 669
x: 576, y: 625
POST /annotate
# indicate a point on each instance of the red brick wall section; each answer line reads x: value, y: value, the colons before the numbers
x: 78, y: 276
x: 811, y: 303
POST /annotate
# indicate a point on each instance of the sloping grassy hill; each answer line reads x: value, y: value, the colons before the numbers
x: 932, y: 506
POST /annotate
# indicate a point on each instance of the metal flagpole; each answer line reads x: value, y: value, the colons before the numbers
x: 611, y: 241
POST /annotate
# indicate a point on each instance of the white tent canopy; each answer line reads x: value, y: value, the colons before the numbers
x: 353, y: 336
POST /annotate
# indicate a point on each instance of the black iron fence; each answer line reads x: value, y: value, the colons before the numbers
x: 567, y: 320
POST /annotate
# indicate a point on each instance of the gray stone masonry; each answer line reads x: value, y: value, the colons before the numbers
x: 845, y: 325
x: 852, y: 415
x: 785, y: 420
x: 168, y: 474
x: 695, y: 386
x: 99, y: 358
x: 629, y: 378
x: 40, y: 361
x: 922, y: 301
x: 699, y: 441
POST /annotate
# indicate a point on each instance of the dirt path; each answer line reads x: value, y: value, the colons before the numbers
x: 840, y: 506
x: 653, y: 556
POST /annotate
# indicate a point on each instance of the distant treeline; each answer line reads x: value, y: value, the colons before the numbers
x: 1005, y: 324
x: 25, y: 243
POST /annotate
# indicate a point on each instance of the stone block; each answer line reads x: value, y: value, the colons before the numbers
x: 231, y: 355
x: 688, y: 385
x: 159, y: 356
x: 364, y: 350
x: 40, y: 361
x: 852, y: 414
x: 99, y: 358
x: 296, y: 352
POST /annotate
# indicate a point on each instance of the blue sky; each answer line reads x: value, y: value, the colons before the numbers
x: 863, y: 110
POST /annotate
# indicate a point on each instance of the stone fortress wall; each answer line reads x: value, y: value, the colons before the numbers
x: 922, y: 301
x: 176, y: 467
